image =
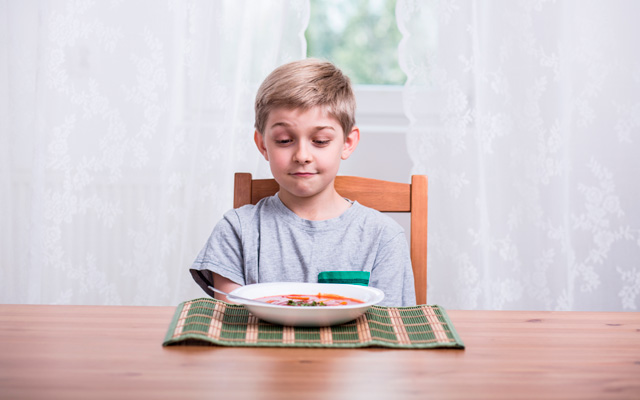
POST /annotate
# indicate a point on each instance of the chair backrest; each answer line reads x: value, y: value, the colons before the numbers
x: 381, y: 195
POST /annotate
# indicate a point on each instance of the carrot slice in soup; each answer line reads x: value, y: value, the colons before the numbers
x: 297, y: 297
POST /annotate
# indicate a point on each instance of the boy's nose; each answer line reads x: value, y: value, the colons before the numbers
x: 302, y: 155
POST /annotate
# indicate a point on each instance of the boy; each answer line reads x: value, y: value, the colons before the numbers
x: 304, y: 127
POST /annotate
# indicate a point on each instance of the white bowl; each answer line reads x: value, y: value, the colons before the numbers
x: 308, y: 316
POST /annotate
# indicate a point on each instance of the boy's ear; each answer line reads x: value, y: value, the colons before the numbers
x: 350, y: 142
x: 259, y: 139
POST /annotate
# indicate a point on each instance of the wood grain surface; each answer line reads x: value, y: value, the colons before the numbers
x: 115, y: 352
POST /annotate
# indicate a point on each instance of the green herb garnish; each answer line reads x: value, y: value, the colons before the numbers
x: 303, y: 303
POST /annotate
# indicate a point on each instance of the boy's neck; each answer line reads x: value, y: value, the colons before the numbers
x: 320, y: 207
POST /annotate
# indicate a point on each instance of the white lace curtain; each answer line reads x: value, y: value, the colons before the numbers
x: 526, y: 117
x: 121, y: 125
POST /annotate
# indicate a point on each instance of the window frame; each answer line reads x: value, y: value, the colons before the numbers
x: 380, y: 109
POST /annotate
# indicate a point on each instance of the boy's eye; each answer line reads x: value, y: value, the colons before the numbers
x: 321, y: 142
x: 283, y: 141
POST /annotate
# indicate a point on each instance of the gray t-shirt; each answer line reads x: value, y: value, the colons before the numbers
x: 270, y: 243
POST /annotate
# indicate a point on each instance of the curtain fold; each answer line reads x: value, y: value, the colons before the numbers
x: 526, y: 118
x: 121, y: 125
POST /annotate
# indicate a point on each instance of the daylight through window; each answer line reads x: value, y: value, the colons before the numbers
x: 359, y: 36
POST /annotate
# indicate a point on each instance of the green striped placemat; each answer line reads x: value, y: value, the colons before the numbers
x: 213, y: 322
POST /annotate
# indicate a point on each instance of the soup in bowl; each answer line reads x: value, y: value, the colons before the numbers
x: 292, y: 303
x: 310, y: 300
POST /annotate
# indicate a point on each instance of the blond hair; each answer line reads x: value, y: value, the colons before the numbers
x: 305, y: 84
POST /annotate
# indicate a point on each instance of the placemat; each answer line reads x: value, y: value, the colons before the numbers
x: 207, y: 321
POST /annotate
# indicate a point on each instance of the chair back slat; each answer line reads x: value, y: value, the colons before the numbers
x: 380, y: 195
x: 261, y: 188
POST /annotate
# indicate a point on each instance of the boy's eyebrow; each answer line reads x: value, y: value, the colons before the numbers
x: 285, y: 124
x: 317, y: 128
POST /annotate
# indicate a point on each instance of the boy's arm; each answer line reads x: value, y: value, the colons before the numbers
x: 220, y: 262
x: 392, y: 273
x: 224, y: 284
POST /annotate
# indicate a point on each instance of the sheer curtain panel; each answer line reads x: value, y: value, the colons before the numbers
x: 526, y: 117
x: 121, y: 124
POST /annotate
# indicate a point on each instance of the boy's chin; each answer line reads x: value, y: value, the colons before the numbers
x: 302, y: 191
x: 299, y: 193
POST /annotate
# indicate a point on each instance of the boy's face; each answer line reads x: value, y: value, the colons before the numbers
x: 304, y: 149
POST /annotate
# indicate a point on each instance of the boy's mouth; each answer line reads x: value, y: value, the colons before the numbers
x: 303, y: 174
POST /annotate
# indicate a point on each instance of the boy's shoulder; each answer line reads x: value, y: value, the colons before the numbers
x: 249, y: 211
x: 371, y: 216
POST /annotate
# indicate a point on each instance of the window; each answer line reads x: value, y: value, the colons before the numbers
x: 360, y: 36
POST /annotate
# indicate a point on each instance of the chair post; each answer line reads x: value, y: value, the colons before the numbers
x: 419, y: 235
x: 242, y: 189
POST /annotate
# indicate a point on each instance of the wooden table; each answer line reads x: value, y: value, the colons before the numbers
x: 89, y: 352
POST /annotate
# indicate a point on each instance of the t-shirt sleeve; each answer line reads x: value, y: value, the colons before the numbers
x: 392, y: 272
x: 222, y: 254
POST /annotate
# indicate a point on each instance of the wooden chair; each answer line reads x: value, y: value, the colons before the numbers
x: 383, y: 196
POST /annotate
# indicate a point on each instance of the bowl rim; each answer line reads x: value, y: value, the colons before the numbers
x: 378, y: 296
